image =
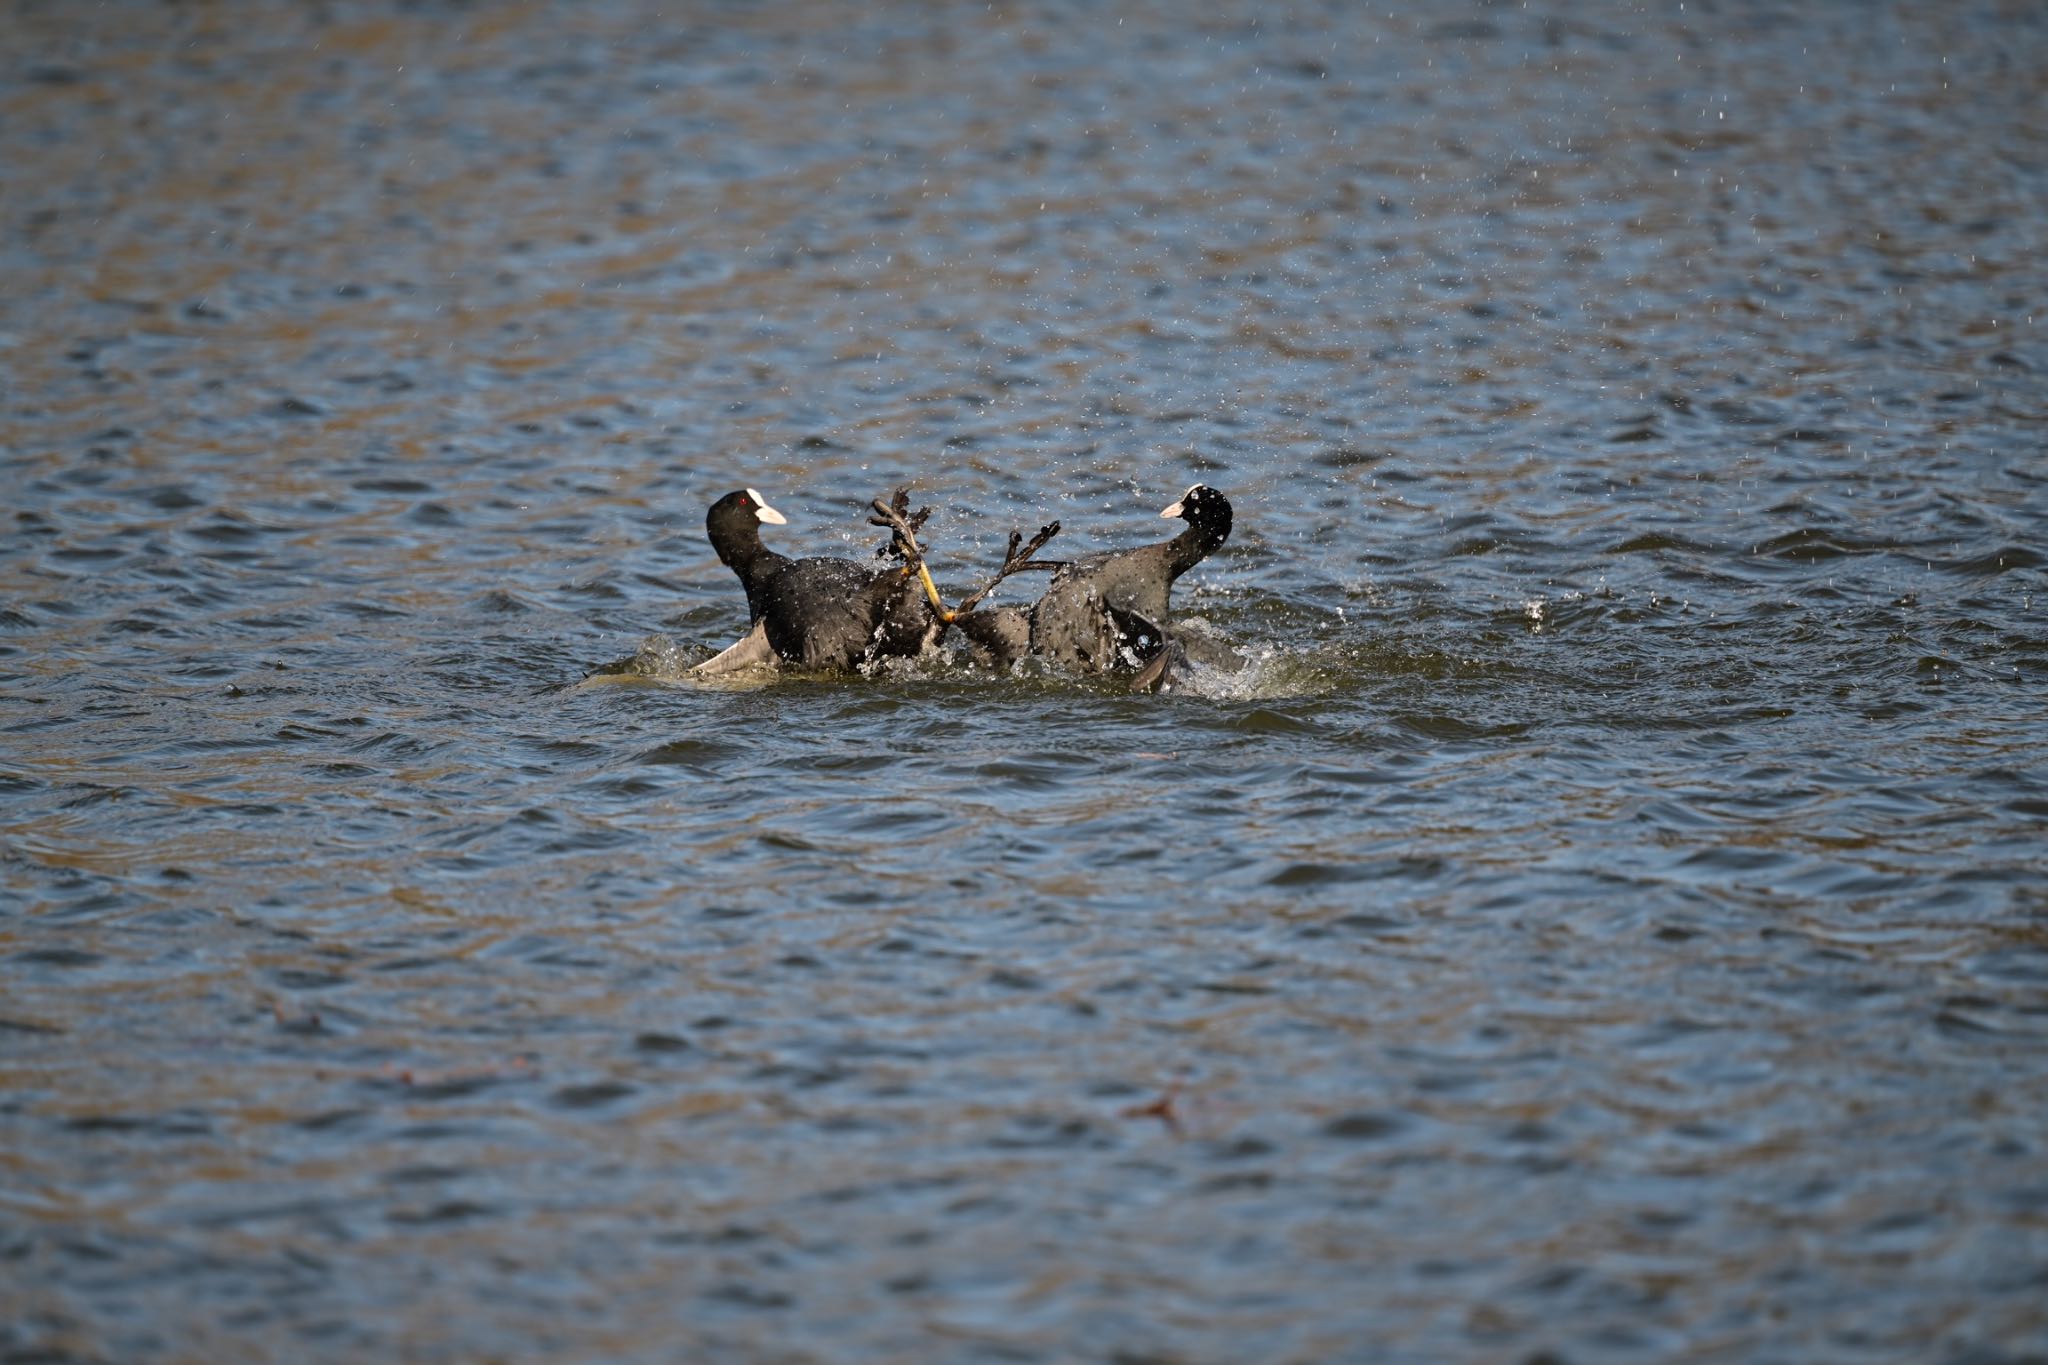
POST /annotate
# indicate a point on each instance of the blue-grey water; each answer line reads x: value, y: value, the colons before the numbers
x: 1606, y: 922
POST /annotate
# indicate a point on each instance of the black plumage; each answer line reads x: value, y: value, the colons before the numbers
x: 818, y: 613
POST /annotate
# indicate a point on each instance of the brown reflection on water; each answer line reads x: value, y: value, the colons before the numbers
x: 1601, y: 928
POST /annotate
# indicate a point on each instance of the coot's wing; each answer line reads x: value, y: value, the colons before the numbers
x: 1158, y: 675
x: 1139, y: 580
x: 1138, y: 637
x: 1147, y: 645
x: 752, y: 651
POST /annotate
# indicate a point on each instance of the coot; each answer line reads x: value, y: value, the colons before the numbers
x: 1108, y: 611
x: 815, y: 613
x: 733, y: 525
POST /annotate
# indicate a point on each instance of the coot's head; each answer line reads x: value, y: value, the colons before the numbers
x: 1205, y: 509
x: 735, y: 520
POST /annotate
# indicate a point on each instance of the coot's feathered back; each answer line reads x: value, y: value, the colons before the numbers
x: 818, y: 613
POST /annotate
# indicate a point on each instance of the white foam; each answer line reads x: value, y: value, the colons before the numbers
x: 1270, y: 672
x: 665, y: 661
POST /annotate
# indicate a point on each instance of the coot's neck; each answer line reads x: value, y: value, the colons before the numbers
x: 739, y: 548
x: 1201, y: 539
x: 736, y: 536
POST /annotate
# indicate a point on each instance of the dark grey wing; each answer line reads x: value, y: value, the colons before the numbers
x: 1137, y: 639
x: 1071, y: 627
x: 1160, y: 653
x: 1157, y: 676
x: 1137, y: 580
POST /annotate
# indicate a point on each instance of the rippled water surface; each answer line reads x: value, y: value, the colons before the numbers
x: 1606, y: 922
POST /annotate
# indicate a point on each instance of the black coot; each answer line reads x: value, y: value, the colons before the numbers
x: 733, y: 525
x: 1108, y: 611
x: 815, y: 613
